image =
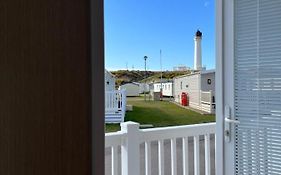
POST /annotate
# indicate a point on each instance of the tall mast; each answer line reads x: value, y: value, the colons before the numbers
x: 161, y: 87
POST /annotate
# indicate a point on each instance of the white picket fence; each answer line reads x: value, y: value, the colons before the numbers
x: 130, y: 137
x: 115, y: 106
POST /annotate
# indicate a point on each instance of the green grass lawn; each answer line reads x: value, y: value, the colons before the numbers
x: 159, y: 114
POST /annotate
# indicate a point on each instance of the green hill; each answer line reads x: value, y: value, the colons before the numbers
x: 168, y: 75
x: 125, y: 76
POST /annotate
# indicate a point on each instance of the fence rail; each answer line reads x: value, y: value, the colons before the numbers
x: 130, y: 137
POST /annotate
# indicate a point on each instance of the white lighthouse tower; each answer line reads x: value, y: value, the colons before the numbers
x: 197, y: 51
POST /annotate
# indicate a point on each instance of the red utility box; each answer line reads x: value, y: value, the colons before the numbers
x: 184, y: 99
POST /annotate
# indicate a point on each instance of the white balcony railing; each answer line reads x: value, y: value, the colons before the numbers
x: 115, y: 106
x: 131, y: 137
x: 207, y: 103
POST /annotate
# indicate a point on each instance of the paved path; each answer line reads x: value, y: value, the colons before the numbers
x: 167, y: 162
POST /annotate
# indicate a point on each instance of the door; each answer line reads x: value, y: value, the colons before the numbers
x: 249, y: 115
x: 47, y: 63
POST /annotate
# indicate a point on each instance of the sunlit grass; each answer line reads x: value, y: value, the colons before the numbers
x: 160, y: 114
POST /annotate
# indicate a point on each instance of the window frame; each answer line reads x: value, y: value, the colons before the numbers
x: 96, y: 45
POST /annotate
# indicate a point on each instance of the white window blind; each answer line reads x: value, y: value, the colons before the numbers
x: 257, y: 79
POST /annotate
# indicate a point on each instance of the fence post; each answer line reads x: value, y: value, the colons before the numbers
x: 130, y: 149
x: 211, y: 102
x: 200, y: 100
x: 124, y: 103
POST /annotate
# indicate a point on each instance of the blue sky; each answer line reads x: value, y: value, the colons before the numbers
x: 135, y: 28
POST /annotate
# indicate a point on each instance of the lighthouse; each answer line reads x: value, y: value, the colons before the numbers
x: 197, y: 51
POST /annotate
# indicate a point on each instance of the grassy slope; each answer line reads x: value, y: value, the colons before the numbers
x: 169, y: 75
x: 161, y: 113
x: 123, y: 76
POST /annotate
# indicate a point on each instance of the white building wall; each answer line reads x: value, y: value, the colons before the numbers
x: 208, y: 82
x: 109, y: 82
x: 167, y: 88
x: 208, y: 92
x: 143, y: 88
x: 131, y: 89
x: 189, y: 84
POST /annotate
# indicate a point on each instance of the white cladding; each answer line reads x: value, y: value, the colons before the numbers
x: 132, y: 89
x: 193, y: 84
x: 143, y: 87
x: 167, y: 88
x: 109, y: 83
x: 189, y: 84
x: 208, y: 81
x: 197, y: 53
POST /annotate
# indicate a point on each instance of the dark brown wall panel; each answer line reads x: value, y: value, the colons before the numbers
x: 45, y: 90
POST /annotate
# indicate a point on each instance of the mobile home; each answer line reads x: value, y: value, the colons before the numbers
x: 132, y: 89
x: 200, y: 88
x: 167, y: 88
x: 143, y: 87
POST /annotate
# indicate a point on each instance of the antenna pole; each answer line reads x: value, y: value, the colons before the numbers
x: 145, y: 58
x: 161, y: 85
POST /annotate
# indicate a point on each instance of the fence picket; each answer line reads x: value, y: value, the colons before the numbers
x: 147, y: 158
x: 196, y: 155
x: 173, y: 156
x: 207, y: 155
x: 160, y: 157
x: 114, y: 160
x: 185, y: 155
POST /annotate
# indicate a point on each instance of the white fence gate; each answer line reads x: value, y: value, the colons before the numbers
x: 115, y: 106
